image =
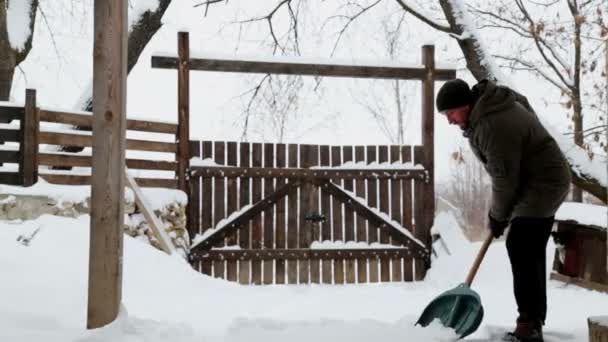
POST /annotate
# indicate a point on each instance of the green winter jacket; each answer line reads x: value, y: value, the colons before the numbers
x: 530, y: 175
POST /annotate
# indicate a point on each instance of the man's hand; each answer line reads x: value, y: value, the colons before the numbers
x: 497, y: 227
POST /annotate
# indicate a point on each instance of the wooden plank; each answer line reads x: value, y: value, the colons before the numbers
x: 84, y: 121
x: 244, y: 199
x: 598, y: 328
x: 194, y: 200
x: 9, y: 113
x: 299, y: 254
x: 361, y: 234
x: 395, y: 190
x: 68, y: 139
x: 231, y: 206
x: 372, y: 201
x: 326, y: 269
x: 313, y: 207
x: 419, y: 229
x: 383, y: 196
x: 156, y: 226
x: 337, y: 217
x: 579, y: 282
x: 219, y: 200
x: 183, y: 110
x: 108, y: 184
x: 9, y: 157
x: 206, y: 203
x: 305, y: 231
x: 307, y: 174
x: 9, y: 135
x: 68, y: 179
x: 349, y: 220
x: 280, y: 237
x: 256, y: 228
x: 30, y: 125
x: 326, y: 70
x: 292, y: 217
x: 70, y: 160
x: 376, y: 220
x: 268, y: 227
x: 10, y: 178
x: 407, y: 193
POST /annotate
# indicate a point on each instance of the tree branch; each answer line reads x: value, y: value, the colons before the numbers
x: 423, y: 18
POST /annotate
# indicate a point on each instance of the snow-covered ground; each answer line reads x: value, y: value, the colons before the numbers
x: 43, y: 296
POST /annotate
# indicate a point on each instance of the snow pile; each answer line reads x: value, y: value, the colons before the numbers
x: 583, y: 213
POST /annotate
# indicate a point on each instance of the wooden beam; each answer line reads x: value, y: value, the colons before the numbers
x: 9, y: 135
x: 428, y: 139
x: 255, y: 209
x: 598, y: 326
x: 68, y: 179
x: 70, y: 160
x: 299, y: 254
x: 9, y: 113
x: 108, y: 184
x: 30, y: 127
x: 588, y: 284
x: 11, y: 178
x: 9, y: 156
x: 305, y: 173
x: 327, y: 70
x: 183, y: 110
x: 375, y: 219
x: 84, y: 140
x: 86, y: 121
x: 154, y: 222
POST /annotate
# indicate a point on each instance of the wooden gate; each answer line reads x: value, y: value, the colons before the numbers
x: 260, y: 213
x: 297, y: 214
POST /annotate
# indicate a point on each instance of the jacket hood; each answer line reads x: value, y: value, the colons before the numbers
x: 490, y: 99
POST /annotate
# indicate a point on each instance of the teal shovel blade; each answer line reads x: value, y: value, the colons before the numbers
x: 459, y: 308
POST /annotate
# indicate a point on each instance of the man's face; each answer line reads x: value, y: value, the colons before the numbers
x: 458, y: 116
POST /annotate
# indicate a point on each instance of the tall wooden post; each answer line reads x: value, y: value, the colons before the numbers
x: 28, y: 163
x: 428, y: 129
x: 107, y: 181
x: 183, y: 99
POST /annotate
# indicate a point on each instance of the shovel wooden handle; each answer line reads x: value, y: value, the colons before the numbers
x: 477, y: 262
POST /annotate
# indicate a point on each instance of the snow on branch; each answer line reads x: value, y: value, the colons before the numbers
x: 425, y: 17
x: 18, y: 17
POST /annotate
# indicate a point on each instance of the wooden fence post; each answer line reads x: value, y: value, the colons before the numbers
x: 183, y: 123
x: 28, y: 162
x: 428, y: 128
x: 108, y: 161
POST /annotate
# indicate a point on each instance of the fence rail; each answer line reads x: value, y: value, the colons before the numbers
x: 54, y: 166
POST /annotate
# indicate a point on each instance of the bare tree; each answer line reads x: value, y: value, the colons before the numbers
x: 10, y: 54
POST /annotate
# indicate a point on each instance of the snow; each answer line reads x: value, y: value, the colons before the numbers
x: 220, y: 225
x: 18, y: 23
x: 44, y: 297
x: 350, y: 245
x: 374, y: 166
x: 197, y: 161
x: 583, y: 213
x: 158, y: 198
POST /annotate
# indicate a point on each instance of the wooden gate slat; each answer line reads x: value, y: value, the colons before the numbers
x: 395, y: 193
x: 206, y: 203
x: 244, y: 199
x: 385, y: 263
x: 349, y: 219
x: 280, y: 217
x: 292, y: 218
x: 419, y: 217
x: 406, y: 209
x: 268, y: 265
x: 361, y: 224
x: 231, y: 206
x: 194, y: 202
x: 372, y: 201
x: 326, y: 274
x: 219, y: 208
x: 256, y: 229
x: 336, y: 160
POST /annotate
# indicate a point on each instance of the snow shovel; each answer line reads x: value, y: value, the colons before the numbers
x: 459, y: 308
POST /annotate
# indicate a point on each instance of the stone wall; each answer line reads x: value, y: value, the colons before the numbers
x: 29, y: 207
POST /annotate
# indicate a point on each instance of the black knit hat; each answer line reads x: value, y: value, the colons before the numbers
x: 453, y: 94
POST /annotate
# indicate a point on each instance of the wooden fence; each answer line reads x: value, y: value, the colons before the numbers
x: 53, y: 166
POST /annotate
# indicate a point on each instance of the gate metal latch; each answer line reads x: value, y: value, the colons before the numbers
x: 315, y: 218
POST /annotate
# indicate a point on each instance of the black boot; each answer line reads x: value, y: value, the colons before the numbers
x: 525, y: 332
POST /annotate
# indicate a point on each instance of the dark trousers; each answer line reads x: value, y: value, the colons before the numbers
x: 527, y: 246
